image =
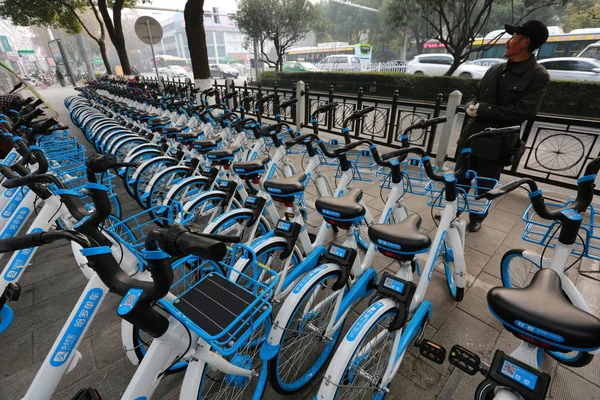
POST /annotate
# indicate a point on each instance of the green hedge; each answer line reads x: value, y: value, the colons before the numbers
x: 563, y: 98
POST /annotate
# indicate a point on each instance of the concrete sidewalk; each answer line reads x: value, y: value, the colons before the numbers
x: 52, y: 285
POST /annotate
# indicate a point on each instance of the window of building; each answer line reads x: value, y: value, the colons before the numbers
x: 216, y: 17
x: 221, y: 51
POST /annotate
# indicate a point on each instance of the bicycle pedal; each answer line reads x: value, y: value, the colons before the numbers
x: 432, y: 351
x: 12, y: 292
x: 464, y: 360
x: 87, y: 394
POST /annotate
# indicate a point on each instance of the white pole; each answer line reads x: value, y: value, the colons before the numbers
x: 454, y: 100
x: 160, y: 85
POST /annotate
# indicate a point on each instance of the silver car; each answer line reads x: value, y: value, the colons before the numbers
x: 572, y: 68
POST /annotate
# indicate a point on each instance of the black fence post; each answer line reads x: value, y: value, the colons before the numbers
x: 436, y: 113
x: 293, y: 108
x: 217, y: 93
x: 359, y: 105
x: 247, y: 102
x: 392, y: 121
x: 330, y: 112
x: 307, y: 104
x: 259, y: 96
x: 276, y: 99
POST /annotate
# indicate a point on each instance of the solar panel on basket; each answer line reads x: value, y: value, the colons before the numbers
x: 465, y: 194
x: 542, y: 232
x: 218, y: 310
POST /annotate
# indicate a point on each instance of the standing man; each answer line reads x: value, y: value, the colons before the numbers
x: 509, y: 94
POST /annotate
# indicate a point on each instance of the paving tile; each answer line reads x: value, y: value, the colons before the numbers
x: 514, y: 203
x: 492, y: 267
x: 475, y: 301
x: 566, y: 385
x: 486, y: 240
x: 467, y: 331
x: 501, y: 220
x: 442, y: 302
x: 107, y: 345
x: 15, y: 354
x: 58, y: 284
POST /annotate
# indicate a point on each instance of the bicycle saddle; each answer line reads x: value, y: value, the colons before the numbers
x: 541, y: 311
x: 286, y: 187
x: 256, y: 166
x: 344, y: 208
x: 173, y: 130
x: 402, y: 238
x: 188, y: 136
x: 222, y: 154
x: 206, y: 145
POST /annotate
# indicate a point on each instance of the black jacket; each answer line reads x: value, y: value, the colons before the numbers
x: 516, y: 100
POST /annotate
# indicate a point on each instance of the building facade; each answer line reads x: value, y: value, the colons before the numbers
x: 223, y: 38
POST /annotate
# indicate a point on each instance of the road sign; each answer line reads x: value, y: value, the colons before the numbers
x: 5, y: 44
x: 21, y: 52
x: 148, y: 30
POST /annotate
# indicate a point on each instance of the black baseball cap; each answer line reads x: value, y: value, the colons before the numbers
x: 535, y: 30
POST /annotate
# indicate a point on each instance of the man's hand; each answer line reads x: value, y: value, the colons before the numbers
x: 472, y: 110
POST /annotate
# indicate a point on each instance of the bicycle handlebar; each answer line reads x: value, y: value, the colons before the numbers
x: 286, y: 104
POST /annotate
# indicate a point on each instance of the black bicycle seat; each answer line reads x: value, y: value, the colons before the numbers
x: 220, y: 155
x: 541, y: 311
x: 206, y: 145
x: 402, y: 238
x: 345, y: 208
x: 252, y: 167
x: 174, y: 130
x: 286, y: 187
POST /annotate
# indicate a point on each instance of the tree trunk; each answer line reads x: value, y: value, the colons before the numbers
x: 115, y: 32
x: 102, y: 46
x: 454, y: 66
x: 193, y: 13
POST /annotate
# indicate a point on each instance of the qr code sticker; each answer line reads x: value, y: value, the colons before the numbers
x: 509, y: 369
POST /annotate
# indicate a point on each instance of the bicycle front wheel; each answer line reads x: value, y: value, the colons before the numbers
x: 370, y: 351
x: 304, y: 348
x: 216, y: 385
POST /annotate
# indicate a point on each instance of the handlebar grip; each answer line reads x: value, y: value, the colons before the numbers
x: 200, y: 246
x: 327, y: 107
x: 27, y: 118
x: 265, y: 98
x: 21, y: 242
x: 44, y: 125
x: 16, y: 87
x: 504, y: 131
x: 287, y: 103
x: 434, y: 121
x: 354, y: 145
x: 18, y: 181
x: 364, y: 111
x: 100, y: 164
x: 37, y: 103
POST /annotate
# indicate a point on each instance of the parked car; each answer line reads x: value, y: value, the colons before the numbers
x: 572, y: 68
x: 172, y: 71
x: 429, y: 64
x: 475, y: 69
x: 223, y: 71
x: 591, y: 51
x: 295, y: 66
x: 339, y: 63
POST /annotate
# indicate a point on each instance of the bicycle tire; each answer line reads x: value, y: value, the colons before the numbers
x: 322, y: 355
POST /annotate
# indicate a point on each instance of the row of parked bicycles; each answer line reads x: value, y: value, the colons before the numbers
x: 220, y: 276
